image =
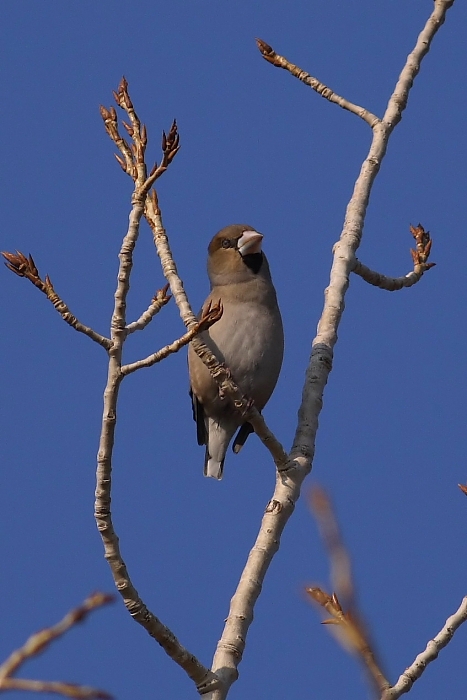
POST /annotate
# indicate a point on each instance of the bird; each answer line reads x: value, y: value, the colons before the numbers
x: 248, y: 339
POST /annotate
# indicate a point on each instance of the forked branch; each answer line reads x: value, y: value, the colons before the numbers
x: 133, y: 163
x: 39, y: 642
x: 209, y: 317
x: 231, y: 645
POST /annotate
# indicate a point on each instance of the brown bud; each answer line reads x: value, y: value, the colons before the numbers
x: 105, y: 114
x: 121, y: 161
x: 264, y: 48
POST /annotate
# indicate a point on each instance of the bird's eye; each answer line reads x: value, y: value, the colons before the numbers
x: 226, y: 243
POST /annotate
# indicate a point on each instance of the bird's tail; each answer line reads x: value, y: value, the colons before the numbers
x: 212, y: 467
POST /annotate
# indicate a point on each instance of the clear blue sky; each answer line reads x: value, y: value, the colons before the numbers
x: 257, y: 147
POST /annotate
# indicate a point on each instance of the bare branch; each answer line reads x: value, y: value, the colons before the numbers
x: 127, y: 163
x: 288, y: 485
x: 413, y: 673
x: 153, y: 216
x: 26, y: 267
x: 170, y: 148
x: 136, y: 167
x: 39, y: 642
x: 160, y: 299
x: 133, y: 161
x: 420, y: 259
x: 399, y: 98
x: 210, y: 316
x: 271, y: 56
x: 67, y: 690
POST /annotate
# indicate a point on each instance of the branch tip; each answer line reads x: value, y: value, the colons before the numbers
x: 266, y: 51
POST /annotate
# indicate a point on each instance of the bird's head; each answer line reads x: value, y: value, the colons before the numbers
x: 235, y: 255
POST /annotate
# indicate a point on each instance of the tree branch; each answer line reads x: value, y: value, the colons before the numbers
x: 133, y: 163
x: 210, y: 316
x: 413, y: 672
x: 419, y: 256
x: 26, y: 267
x: 288, y: 485
x: 271, y: 56
x: 39, y: 642
x: 67, y: 690
x: 160, y: 299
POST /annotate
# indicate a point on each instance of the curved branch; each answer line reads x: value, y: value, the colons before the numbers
x: 390, y: 284
x: 420, y: 260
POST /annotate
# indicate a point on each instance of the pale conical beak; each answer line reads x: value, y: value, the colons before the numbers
x: 249, y: 243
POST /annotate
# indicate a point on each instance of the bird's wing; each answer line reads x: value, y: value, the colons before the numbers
x: 198, y: 417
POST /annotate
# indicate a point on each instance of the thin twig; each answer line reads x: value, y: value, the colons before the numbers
x: 39, y: 642
x: 67, y: 690
x: 210, y: 316
x: 420, y: 260
x: 26, y: 267
x: 271, y: 56
x: 161, y: 298
x: 288, y: 485
x: 413, y: 672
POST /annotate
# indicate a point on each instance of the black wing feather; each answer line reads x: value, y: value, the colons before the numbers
x: 241, y: 437
x: 198, y: 417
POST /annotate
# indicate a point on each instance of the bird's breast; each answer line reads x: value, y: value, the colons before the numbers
x: 249, y: 338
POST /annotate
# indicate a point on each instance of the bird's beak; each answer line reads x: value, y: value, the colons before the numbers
x: 249, y: 243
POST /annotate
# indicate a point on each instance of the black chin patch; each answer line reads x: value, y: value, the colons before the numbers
x: 253, y: 261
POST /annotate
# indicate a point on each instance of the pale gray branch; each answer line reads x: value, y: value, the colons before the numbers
x: 135, y: 166
x: 160, y: 300
x: 281, y: 62
x: 434, y: 646
x: 391, y: 284
x: 230, y: 647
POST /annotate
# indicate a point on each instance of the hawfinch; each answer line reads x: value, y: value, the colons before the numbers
x: 248, y: 339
